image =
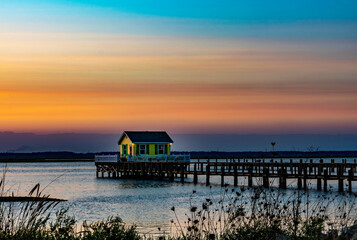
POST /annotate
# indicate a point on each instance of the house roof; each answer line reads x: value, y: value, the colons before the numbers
x: 147, y: 137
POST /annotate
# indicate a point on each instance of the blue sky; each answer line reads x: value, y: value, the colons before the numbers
x: 270, y: 19
x: 241, y: 11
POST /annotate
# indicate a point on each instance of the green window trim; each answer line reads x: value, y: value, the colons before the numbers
x: 124, y: 148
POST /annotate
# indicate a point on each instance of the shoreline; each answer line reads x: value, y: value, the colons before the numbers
x: 25, y: 160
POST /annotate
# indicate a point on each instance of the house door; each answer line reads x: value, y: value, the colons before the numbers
x: 131, y: 150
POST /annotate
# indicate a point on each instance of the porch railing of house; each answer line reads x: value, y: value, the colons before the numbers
x: 144, y: 158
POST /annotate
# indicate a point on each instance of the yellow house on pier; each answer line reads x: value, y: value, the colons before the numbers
x: 148, y: 144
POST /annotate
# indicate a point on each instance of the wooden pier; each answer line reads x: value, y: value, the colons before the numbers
x: 262, y: 170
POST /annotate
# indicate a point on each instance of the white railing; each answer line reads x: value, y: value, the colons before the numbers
x: 107, y: 158
x: 159, y: 158
x: 144, y: 158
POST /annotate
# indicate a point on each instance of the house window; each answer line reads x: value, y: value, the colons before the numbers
x: 142, y: 149
x: 161, y: 149
x: 125, y: 149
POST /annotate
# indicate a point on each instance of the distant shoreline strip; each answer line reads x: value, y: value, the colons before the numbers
x: 46, y: 160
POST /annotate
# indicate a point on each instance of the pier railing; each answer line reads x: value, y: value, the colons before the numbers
x: 107, y: 158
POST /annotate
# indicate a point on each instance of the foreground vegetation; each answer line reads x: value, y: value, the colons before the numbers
x: 64, y: 227
x: 265, y: 214
x: 238, y: 213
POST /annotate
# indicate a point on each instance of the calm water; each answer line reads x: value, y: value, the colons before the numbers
x: 145, y: 203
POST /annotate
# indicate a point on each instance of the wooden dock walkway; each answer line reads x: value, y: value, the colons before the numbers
x: 262, y: 169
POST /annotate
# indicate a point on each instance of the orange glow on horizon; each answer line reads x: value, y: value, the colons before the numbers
x: 99, y: 83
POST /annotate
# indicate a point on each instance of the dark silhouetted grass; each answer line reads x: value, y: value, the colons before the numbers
x: 267, y: 214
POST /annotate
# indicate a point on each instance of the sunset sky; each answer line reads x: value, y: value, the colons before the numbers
x: 185, y: 66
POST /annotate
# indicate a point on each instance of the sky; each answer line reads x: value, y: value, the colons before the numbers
x: 188, y: 66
